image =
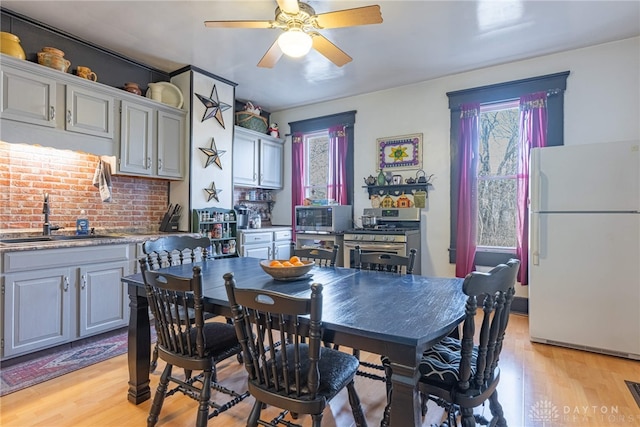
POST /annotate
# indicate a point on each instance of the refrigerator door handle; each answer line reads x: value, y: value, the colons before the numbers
x: 535, y: 182
x: 534, y: 237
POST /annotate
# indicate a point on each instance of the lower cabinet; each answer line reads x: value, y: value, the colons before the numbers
x: 55, y: 296
x: 266, y: 244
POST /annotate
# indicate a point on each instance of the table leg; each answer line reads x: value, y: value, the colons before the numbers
x: 139, y: 342
x: 404, y: 407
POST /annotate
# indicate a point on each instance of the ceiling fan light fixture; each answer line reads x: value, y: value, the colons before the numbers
x: 295, y: 42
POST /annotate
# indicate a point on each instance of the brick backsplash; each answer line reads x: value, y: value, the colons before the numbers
x: 27, y: 172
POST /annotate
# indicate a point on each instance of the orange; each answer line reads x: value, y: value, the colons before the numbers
x: 294, y: 259
x: 275, y: 263
x: 287, y: 264
x: 298, y: 264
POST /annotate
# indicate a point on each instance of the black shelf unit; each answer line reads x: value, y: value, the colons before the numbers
x: 401, y: 188
x: 220, y: 225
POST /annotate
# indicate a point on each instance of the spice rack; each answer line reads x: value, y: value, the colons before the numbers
x: 220, y: 225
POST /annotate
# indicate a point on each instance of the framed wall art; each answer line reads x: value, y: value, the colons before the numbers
x: 400, y: 152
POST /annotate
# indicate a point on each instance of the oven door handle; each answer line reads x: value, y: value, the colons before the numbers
x: 377, y: 247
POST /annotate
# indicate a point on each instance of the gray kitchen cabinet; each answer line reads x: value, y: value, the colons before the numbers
x: 257, y: 159
x: 89, y: 112
x: 282, y: 244
x: 102, y: 306
x: 151, y: 141
x: 31, y: 95
x: 256, y: 244
x: 28, y: 97
x: 55, y: 296
x: 37, y: 310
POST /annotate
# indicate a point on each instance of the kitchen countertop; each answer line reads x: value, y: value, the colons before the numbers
x: 267, y: 229
x: 108, y: 239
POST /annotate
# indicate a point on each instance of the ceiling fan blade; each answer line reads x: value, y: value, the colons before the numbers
x: 350, y: 17
x: 271, y: 56
x: 332, y: 52
x: 289, y: 6
x: 238, y: 24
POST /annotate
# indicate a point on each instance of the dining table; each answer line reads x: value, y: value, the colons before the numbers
x: 398, y: 316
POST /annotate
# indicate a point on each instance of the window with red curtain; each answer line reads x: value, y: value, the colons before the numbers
x: 338, y: 132
x: 463, y: 219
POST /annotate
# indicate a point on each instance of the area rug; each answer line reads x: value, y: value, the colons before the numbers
x: 14, y: 377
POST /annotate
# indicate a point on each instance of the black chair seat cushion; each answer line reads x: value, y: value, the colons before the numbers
x: 336, y: 369
x: 441, y: 363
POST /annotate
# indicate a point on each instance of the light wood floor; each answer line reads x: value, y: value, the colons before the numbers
x: 540, y: 386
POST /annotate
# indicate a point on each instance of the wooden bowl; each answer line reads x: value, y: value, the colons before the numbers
x: 286, y: 272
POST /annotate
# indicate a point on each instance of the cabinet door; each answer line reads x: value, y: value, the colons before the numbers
x: 245, y: 158
x: 103, y: 298
x: 28, y: 97
x: 170, y: 144
x: 282, y: 250
x: 37, y: 310
x: 271, y: 159
x: 89, y: 112
x: 136, y: 138
x: 257, y: 251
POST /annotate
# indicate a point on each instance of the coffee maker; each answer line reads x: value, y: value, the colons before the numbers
x: 242, y: 215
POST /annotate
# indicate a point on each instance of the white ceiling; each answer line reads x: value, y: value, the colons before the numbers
x: 418, y: 40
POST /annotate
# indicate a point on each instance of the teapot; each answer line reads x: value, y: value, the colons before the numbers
x: 410, y: 180
x: 371, y: 180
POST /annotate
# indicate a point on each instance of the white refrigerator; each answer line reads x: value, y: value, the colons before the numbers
x: 584, y: 254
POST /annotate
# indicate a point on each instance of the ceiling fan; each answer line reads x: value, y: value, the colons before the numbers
x: 300, y: 22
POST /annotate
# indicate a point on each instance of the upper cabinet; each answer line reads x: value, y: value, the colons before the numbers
x: 151, y: 141
x: 257, y: 159
x: 40, y: 105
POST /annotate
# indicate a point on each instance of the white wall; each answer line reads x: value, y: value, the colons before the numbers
x: 602, y: 103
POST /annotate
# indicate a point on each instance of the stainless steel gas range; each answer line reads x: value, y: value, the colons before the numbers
x: 397, y: 230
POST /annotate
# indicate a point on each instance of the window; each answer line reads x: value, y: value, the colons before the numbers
x: 332, y: 174
x: 496, y: 175
x: 317, y: 163
x: 496, y: 166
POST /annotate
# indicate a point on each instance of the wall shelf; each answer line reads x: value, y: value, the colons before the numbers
x: 391, y: 189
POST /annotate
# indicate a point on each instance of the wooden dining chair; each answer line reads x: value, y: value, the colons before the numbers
x: 190, y: 344
x: 174, y: 250
x: 299, y: 376
x: 322, y: 257
x: 461, y: 374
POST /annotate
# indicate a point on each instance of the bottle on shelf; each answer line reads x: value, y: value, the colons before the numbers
x: 82, y: 224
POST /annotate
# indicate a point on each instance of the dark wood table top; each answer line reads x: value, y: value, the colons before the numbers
x: 398, y: 316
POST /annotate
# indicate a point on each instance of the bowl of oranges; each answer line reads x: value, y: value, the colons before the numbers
x: 286, y: 269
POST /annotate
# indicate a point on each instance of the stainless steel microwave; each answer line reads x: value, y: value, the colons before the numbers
x: 327, y: 219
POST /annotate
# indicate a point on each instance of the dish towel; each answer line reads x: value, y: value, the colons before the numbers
x: 102, y: 180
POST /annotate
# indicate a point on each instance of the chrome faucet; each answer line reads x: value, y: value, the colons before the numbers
x: 46, y: 227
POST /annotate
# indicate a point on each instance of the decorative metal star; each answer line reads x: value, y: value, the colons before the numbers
x: 214, y: 107
x: 212, y: 192
x: 213, y: 154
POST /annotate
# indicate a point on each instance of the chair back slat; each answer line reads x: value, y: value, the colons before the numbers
x: 179, y: 326
x: 322, y: 257
x: 382, y: 261
x: 280, y: 353
x: 173, y: 250
x: 494, y: 291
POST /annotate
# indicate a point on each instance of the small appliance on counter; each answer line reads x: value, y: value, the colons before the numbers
x: 243, y: 216
x: 171, y: 218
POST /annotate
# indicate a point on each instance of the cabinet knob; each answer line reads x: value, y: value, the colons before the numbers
x: 84, y: 281
x: 148, y: 162
x: 160, y: 164
x: 66, y: 283
x: 69, y: 116
x: 52, y: 113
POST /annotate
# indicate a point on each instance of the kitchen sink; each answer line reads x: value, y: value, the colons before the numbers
x: 36, y: 239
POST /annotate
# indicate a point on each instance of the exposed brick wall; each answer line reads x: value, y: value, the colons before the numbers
x: 27, y: 172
